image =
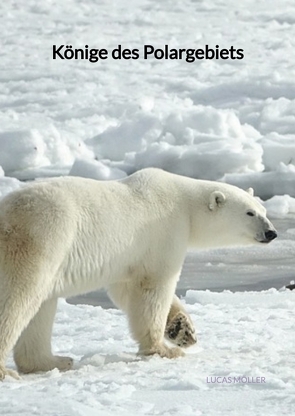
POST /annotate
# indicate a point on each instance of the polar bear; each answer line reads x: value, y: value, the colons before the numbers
x: 66, y: 236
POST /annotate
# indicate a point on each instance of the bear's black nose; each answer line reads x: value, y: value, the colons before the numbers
x: 270, y: 235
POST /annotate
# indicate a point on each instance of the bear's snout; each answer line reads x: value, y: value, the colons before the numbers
x: 270, y: 235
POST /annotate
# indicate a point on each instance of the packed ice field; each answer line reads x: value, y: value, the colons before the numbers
x: 225, y: 120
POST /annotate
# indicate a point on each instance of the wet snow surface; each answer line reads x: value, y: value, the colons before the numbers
x: 227, y: 120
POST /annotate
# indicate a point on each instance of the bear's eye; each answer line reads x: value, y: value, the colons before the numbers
x: 250, y: 213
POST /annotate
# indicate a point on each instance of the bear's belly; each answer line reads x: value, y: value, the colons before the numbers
x: 77, y: 275
x: 66, y: 286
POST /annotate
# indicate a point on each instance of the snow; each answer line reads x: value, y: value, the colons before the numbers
x: 208, y: 119
x: 226, y: 120
x: 266, y: 184
x: 246, y: 335
x: 280, y: 206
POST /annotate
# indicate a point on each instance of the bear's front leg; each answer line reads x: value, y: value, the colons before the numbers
x: 148, y: 308
x: 179, y: 327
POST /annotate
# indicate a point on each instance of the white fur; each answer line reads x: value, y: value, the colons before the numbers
x: 66, y: 236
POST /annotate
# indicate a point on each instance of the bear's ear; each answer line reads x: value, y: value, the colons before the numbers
x: 217, y: 199
x: 250, y: 191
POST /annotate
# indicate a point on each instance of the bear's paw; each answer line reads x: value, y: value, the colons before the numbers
x: 46, y: 364
x: 164, y: 351
x: 7, y: 372
x: 180, y: 331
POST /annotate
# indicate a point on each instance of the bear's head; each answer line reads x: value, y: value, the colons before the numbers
x: 233, y: 217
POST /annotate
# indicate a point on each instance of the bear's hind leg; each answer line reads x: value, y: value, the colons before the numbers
x: 148, y: 308
x: 17, y: 307
x: 32, y: 352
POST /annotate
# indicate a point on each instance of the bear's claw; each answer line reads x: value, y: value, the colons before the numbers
x: 180, y: 331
